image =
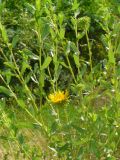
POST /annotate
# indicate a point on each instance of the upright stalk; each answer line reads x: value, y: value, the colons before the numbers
x: 89, y: 49
x: 40, y: 64
x: 21, y: 79
x: 38, y: 28
x: 70, y: 68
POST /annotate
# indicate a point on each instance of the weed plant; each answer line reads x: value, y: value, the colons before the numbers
x: 59, y: 80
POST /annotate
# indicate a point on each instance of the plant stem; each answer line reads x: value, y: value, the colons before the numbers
x: 90, y: 52
x: 71, y: 70
x: 25, y: 108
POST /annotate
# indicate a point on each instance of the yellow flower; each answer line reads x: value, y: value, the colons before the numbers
x: 58, y: 96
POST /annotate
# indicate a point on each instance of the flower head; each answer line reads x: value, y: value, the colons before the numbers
x: 58, y: 96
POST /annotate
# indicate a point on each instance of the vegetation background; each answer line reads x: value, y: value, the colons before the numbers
x: 59, y: 79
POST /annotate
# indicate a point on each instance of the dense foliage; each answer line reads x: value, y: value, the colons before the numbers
x: 59, y: 79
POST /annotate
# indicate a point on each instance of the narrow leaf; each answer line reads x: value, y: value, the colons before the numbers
x: 4, y: 33
x: 46, y: 63
x: 76, y: 60
x: 21, y: 103
x: 5, y: 91
x: 15, y: 41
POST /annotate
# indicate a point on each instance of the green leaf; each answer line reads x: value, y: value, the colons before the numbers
x: 5, y: 91
x: 94, y: 148
x: 83, y: 23
x: 28, y: 77
x: 21, y: 103
x: 74, y: 48
x: 63, y: 64
x: 68, y: 48
x: 76, y: 60
x: 28, y: 53
x: 56, y: 64
x: 21, y: 139
x: 1, y: 7
x: 42, y: 78
x: 44, y: 27
x: 111, y: 56
x: 15, y: 41
x: 46, y: 63
x: 118, y: 49
x: 30, y: 8
x: 38, y: 4
x: 4, y: 33
x: 74, y: 22
x: 25, y: 65
x: 10, y: 65
x: 75, y: 5
x: 61, y: 18
x: 80, y: 35
x: 55, y: 60
x: 8, y: 75
x: 62, y: 33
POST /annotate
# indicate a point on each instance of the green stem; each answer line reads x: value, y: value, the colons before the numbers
x: 90, y: 52
x: 20, y: 77
x: 25, y: 108
x: 77, y: 42
x: 56, y: 52
x: 71, y: 70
